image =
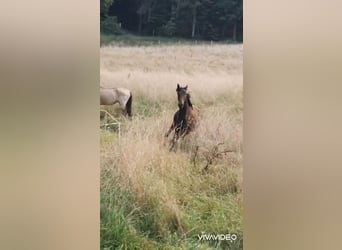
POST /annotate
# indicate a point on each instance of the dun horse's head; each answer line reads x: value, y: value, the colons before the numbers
x: 182, y: 94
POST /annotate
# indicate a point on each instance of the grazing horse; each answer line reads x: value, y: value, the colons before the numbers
x: 110, y: 96
x: 186, y: 118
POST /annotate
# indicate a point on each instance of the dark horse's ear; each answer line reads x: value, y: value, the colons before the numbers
x: 186, y: 87
x: 177, y: 87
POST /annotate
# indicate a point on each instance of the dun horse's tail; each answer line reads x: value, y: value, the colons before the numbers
x: 129, y: 105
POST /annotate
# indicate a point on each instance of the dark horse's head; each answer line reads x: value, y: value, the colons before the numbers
x: 183, y: 95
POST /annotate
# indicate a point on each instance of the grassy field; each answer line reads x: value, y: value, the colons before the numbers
x: 130, y: 40
x: 152, y: 198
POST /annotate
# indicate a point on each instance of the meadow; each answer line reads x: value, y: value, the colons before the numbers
x: 154, y: 198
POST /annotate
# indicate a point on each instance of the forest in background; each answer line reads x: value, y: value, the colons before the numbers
x: 215, y: 20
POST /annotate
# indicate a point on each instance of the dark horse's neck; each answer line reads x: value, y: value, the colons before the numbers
x: 189, y: 102
x: 184, y: 109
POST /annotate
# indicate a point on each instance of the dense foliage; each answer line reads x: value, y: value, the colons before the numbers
x: 110, y: 25
x: 199, y: 19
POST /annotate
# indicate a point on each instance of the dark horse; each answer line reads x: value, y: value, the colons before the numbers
x: 110, y: 96
x: 186, y: 118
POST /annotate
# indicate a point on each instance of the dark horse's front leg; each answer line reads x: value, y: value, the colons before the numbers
x: 170, y: 129
x: 173, y: 125
x: 176, y: 135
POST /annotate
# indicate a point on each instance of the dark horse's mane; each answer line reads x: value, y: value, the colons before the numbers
x: 189, y: 102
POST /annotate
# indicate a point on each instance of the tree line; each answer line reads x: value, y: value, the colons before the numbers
x: 197, y: 19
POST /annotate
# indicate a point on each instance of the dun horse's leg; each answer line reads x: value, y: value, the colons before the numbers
x: 123, y: 107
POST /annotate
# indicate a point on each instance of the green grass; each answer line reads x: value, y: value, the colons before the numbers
x: 135, y: 40
x: 126, y: 224
x: 107, y: 137
x: 129, y: 39
x: 153, y: 198
x: 145, y: 107
x: 154, y: 209
x: 143, y: 219
x: 117, y: 218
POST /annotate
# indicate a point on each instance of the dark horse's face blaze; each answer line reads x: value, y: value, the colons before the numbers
x: 182, y: 93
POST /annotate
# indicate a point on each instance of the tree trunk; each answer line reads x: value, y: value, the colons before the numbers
x: 149, y: 13
x: 194, y: 19
x: 234, y: 31
x: 140, y: 24
x: 223, y: 29
x: 177, y: 8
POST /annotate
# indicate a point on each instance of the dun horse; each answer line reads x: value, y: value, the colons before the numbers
x: 110, y: 96
x: 186, y: 118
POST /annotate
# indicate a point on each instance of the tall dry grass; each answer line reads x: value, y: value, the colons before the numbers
x: 154, y: 71
x: 166, y: 198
